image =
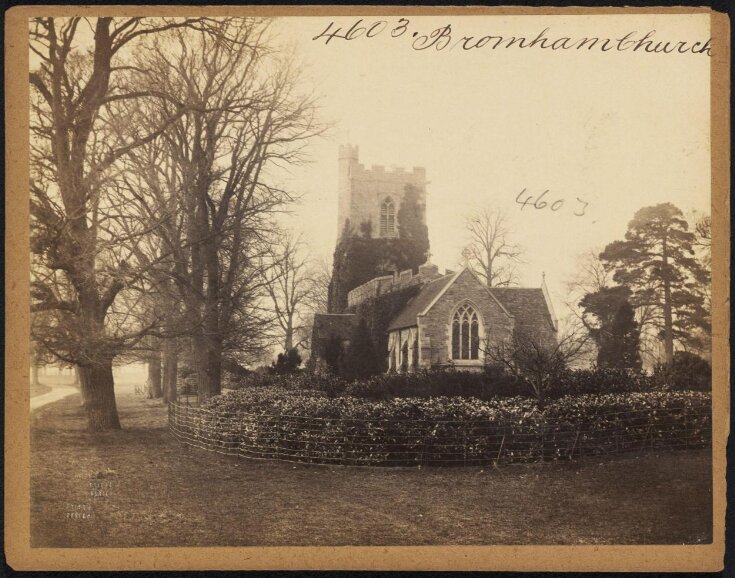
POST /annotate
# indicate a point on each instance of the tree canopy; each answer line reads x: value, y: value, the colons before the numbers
x: 657, y: 262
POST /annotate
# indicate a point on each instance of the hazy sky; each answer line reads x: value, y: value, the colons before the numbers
x: 619, y: 130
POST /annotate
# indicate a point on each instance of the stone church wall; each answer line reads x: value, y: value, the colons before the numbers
x: 435, y: 327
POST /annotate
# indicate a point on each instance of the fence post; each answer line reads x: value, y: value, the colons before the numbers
x: 574, y: 445
x: 502, y: 445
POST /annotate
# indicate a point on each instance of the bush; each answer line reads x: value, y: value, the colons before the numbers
x: 599, y: 380
x: 687, y: 371
x: 486, y: 385
x: 287, y: 362
x: 438, y: 383
x: 307, y: 425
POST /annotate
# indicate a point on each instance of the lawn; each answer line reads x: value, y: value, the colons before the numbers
x: 140, y: 487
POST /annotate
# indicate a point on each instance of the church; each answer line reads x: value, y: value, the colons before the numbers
x: 418, y: 317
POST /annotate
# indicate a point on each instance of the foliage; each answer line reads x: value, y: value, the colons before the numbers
x: 438, y: 383
x: 599, y: 380
x: 686, y: 371
x: 614, y: 330
x: 360, y: 360
x: 358, y: 257
x: 657, y: 262
x: 412, y: 229
x: 287, y: 362
x: 310, y: 426
x: 378, y: 312
x: 487, y: 385
x: 333, y: 353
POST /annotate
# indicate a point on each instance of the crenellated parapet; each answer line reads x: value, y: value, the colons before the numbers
x: 363, y: 192
x: 389, y: 283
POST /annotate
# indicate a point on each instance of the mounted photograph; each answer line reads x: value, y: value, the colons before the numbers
x: 381, y: 278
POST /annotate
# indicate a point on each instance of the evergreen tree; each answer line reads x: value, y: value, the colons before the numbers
x: 412, y: 229
x: 360, y: 359
x: 610, y: 320
x: 657, y: 262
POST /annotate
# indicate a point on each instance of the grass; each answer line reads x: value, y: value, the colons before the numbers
x: 139, y: 487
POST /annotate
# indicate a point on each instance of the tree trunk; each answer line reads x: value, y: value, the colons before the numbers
x: 210, y: 369
x: 170, y: 370
x: 288, y: 341
x: 154, y: 376
x: 76, y: 375
x: 668, y: 316
x: 98, y: 394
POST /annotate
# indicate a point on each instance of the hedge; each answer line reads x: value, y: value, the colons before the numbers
x: 485, y: 385
x: 309, y: 426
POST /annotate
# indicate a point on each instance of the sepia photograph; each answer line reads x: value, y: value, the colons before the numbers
x: 372, y: 279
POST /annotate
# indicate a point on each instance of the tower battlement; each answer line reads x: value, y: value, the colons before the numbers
x: 373, y: 195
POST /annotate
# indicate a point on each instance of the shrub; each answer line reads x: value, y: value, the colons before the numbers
x: 438, y: 383
x: 486, y: 385
x: 307, y: 425
x: 599, y: 380
x: 687, y: 371
x: 287, y: 362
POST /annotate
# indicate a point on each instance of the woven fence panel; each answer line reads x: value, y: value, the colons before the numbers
x: 379, y: 442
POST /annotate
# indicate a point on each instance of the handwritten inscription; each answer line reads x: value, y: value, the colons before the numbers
x: 446, y: 38
x: 542, y: 201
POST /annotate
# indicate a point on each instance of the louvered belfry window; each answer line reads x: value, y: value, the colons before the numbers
x: 465, y: 333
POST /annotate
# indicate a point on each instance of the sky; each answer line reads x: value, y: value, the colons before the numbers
x: 617, y: 130
x: 606, y: 133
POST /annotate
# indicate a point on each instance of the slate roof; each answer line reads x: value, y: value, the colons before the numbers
x: 407, y: 317
x: 340, y: 325
x: 527, y: 305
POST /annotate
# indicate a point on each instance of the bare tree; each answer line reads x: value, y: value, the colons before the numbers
x: 249, y: 121
x: 80, y: 265
x: 490, y: 252
x: 537, y: 361
x: 292, y: 287
x: 223, y: 85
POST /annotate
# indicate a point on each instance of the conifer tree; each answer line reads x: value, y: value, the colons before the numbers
x: 613, y: 327
x: 657, y: 262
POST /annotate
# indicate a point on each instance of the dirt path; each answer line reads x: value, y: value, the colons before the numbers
x: 58, y: 392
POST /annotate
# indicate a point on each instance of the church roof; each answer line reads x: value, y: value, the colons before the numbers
x: 527, y: 305
x: 407, y: 317
x: 328, y: 325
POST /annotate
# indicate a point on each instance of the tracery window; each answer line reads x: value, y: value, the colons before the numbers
x: 387, y: 218
x: 465, y: 333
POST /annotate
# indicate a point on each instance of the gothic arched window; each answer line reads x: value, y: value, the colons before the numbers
x: 465, y: 333
x: 387, y: 218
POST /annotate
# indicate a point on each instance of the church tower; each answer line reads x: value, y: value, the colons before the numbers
x: 382, y: 224
x: 370, y: 198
